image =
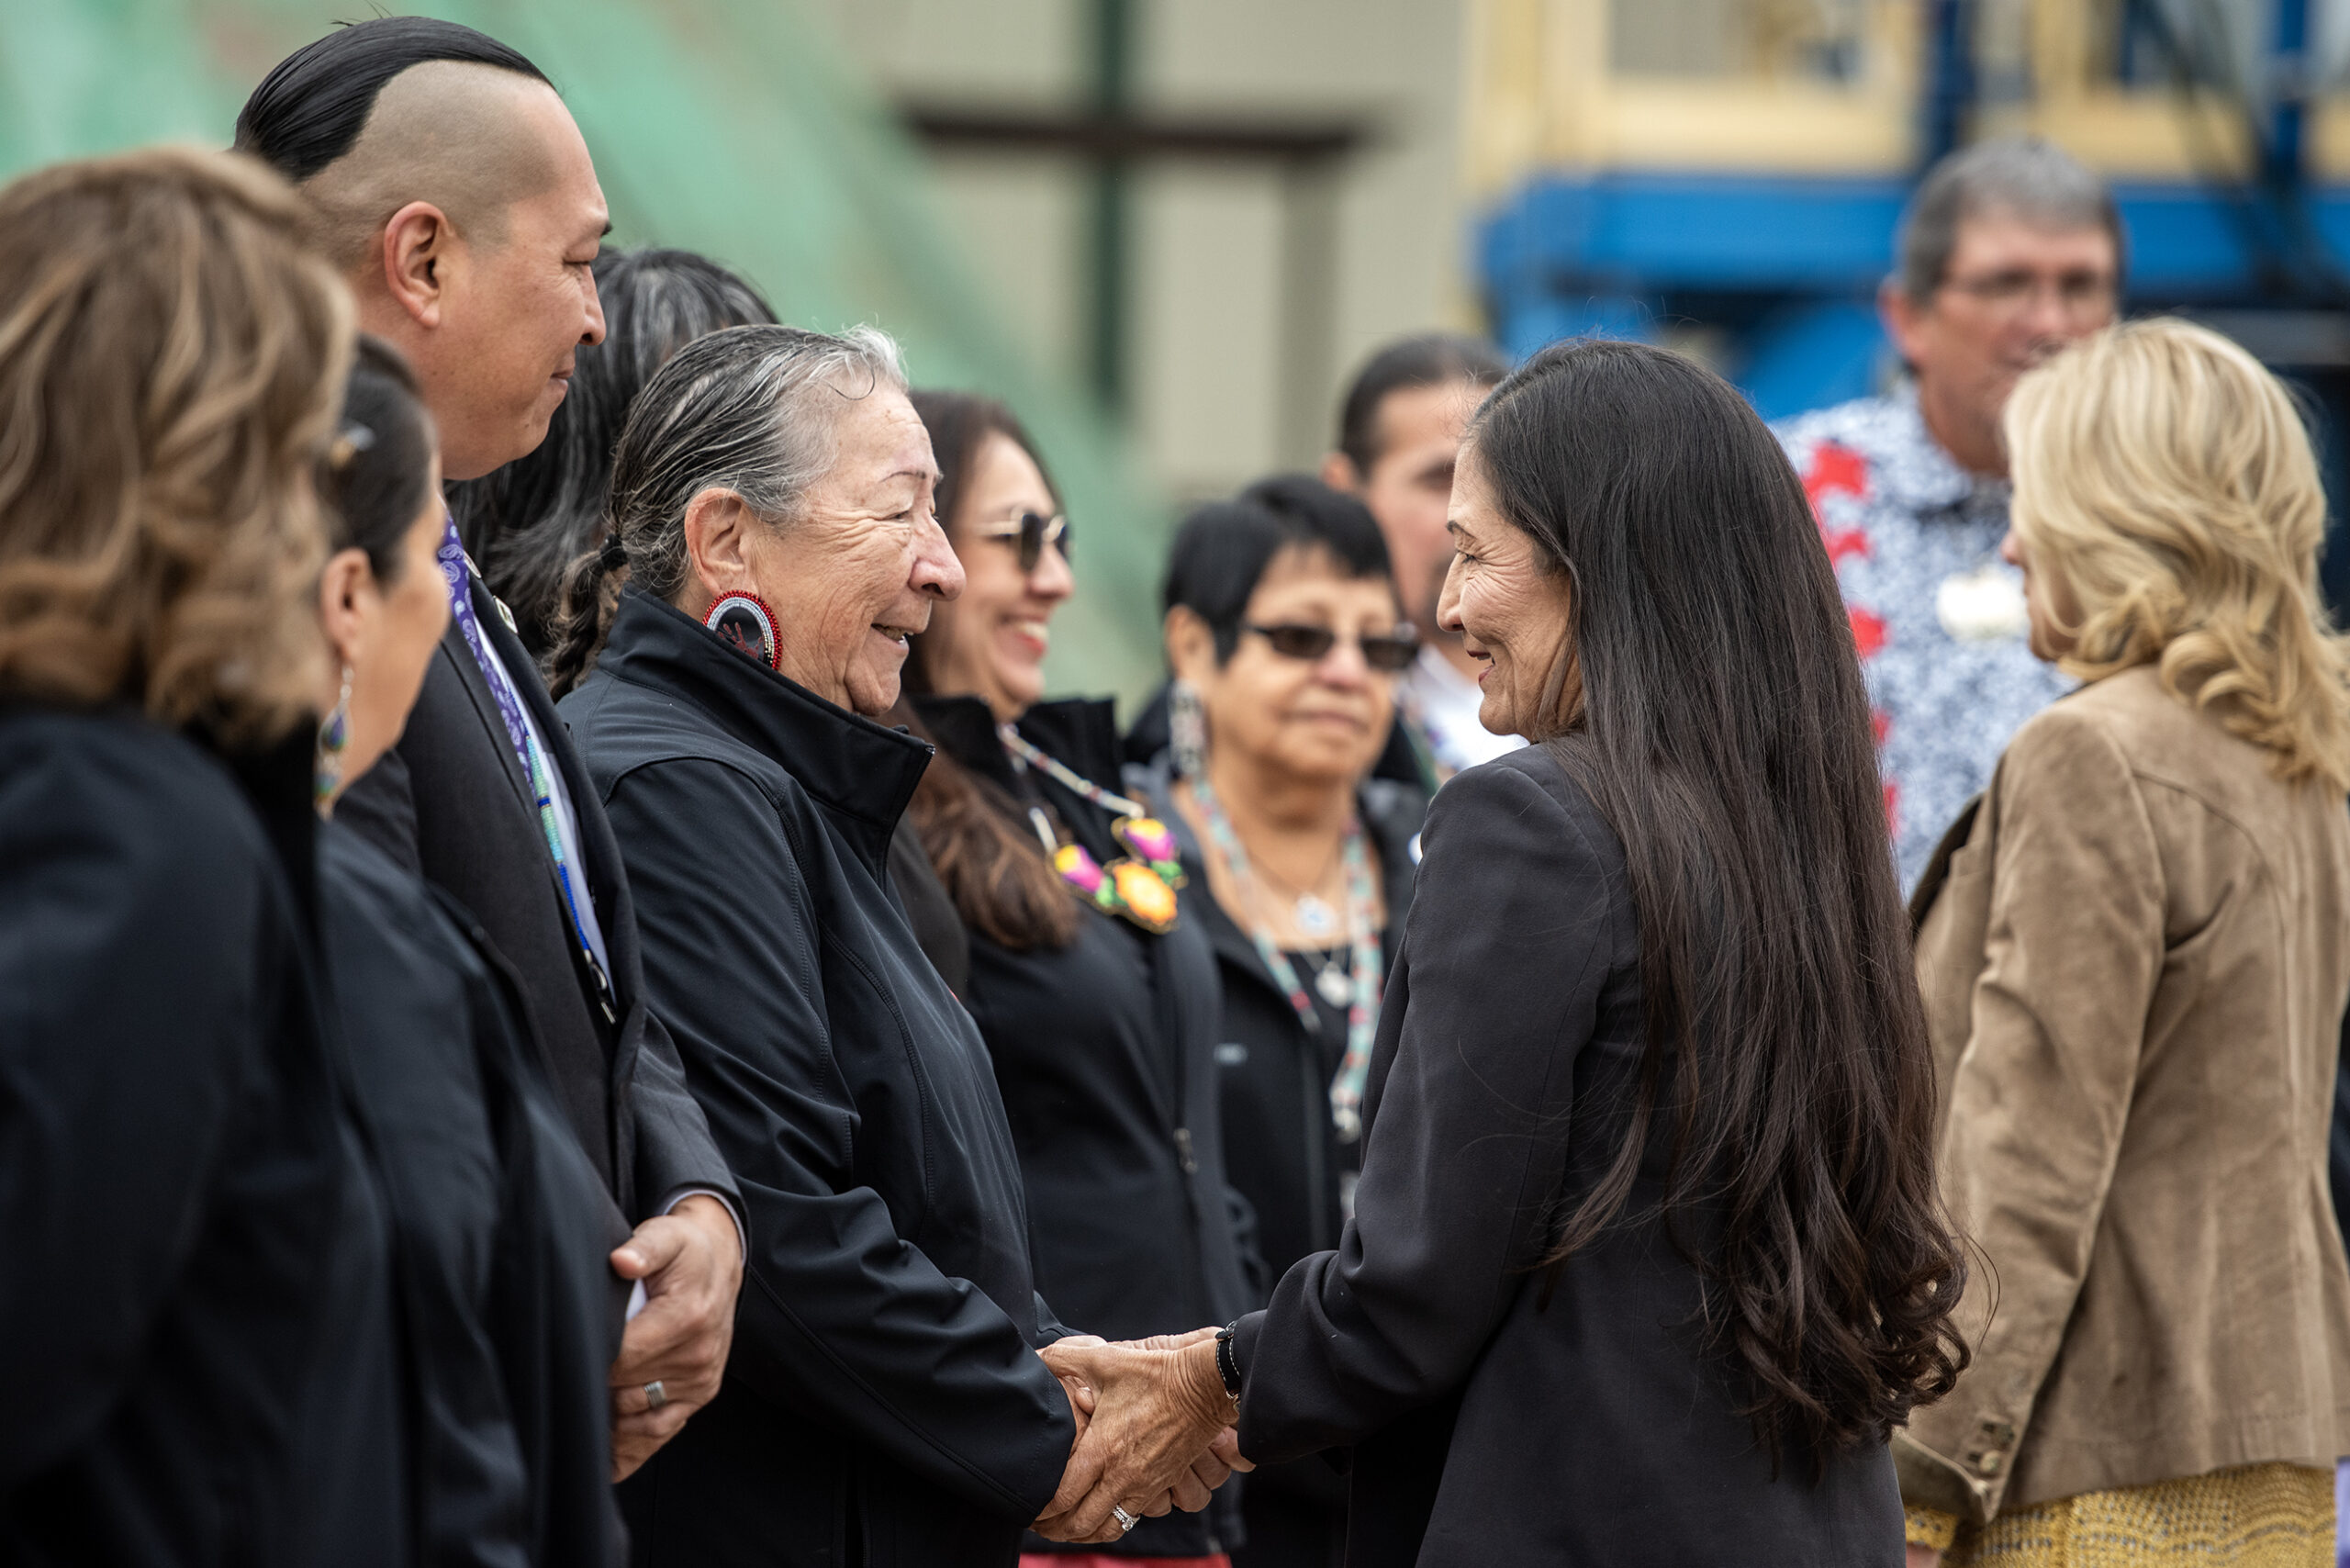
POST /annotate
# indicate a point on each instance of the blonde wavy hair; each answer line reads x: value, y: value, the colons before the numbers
x: 172, y: 349
x: 2166, y: 478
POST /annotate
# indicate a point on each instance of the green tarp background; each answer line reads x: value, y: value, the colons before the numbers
x: 729, y: 126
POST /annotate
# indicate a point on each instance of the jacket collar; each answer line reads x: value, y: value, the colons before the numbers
x: 1082, y: 732
x: 859, y: 770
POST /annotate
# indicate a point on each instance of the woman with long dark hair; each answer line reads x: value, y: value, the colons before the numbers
x: 1646, y: 1260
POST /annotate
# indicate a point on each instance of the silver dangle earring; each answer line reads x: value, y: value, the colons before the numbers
x: 334, y: 735
x: 1187, y: 730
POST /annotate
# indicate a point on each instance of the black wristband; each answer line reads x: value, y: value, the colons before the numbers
x: 1227, y: 1360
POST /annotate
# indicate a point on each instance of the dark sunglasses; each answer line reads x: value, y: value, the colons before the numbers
x: 1030, y: 532
x: 1387, y: 653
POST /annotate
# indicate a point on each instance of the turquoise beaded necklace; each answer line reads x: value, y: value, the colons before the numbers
x: 1362, y: 1008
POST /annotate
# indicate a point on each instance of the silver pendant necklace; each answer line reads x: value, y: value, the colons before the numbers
x: 1315, y: 918
x: 1337, y: 987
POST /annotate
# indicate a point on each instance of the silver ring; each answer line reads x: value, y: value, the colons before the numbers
x: 655, y: 1395
x: 1126, y: 1521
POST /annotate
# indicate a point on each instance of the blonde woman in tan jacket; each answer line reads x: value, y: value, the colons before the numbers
x: 2135, y: 950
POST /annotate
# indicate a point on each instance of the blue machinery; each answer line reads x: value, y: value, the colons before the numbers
x: 1778, y: 268
x: 1786, y: 265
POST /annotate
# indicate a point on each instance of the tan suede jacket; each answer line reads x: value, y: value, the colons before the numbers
x: 2134, y: 960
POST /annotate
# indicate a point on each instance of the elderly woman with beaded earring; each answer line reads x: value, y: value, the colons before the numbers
x: 1097, y: 1000
x: 1285, y: 636
x: 772, y: 511
x: 2134, y: 949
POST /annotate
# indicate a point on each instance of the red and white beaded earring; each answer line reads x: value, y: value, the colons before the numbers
x: 743, y: 619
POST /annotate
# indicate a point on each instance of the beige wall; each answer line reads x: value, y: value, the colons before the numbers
x: 1206, y: 337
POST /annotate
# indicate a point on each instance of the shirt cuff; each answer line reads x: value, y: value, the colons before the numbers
x: 742, y: 1235
x: 1929, y: 1527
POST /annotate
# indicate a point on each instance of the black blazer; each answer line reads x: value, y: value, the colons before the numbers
x: 450, y: 803
x: 196, y: 1335
x: 884, y: 1396
x: 513, y: 1310
x: 1499, y: 1414
x: 1105, y: 1053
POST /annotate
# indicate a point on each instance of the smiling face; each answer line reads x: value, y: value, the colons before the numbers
x: 1322, y: 719
x: 859, y: 569
x: 990, y: 643
x: 1511, y: 613
x: 1409, y: 483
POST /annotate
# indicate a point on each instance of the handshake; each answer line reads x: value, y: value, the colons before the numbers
x: 1154, y: 1432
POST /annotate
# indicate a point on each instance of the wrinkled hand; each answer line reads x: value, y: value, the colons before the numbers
x: 691, y: 1262
x: 1159, y: 1436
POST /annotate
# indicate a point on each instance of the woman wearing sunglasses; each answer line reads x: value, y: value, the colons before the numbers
x: 1285, y: 638
x: 1096, y: 998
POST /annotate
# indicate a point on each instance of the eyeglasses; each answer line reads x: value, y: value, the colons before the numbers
x: 1029, y: 533
x: 2083, y: 296
x: 1387, y: 653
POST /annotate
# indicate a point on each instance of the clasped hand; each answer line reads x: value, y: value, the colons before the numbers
x: 1153, y: 1431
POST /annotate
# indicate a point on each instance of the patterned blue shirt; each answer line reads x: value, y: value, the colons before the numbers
x: 1938, y: 617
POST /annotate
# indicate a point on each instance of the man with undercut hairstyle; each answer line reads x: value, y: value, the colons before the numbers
x: 461, y: 204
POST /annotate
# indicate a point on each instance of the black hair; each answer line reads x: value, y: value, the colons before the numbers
x: 529, y: 521
x: 308, y: 111
x: 379, y: 466
x: 1723, y: 731
x: 1431, y: 359
x: 1222, y: 550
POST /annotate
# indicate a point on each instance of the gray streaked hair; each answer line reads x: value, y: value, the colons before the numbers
x: 2028, y: 176
x: 754, y: 411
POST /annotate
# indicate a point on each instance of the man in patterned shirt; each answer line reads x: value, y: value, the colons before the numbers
x: 2010, y: 250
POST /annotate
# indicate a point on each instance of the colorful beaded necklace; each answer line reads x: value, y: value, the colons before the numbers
x: 1141, y: 888
x: 1363, y: 1010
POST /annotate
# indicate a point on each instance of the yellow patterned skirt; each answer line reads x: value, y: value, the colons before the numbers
x: 2262, y: 1516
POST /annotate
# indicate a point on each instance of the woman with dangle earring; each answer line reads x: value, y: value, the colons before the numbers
x: 1096, y: 998
x: 1285, y: 637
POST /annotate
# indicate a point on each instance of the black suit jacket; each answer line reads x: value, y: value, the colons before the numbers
x: 1500, y: 1411
x: 450, y: 803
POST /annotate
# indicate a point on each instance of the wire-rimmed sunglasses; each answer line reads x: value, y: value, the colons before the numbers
x: 1029, y: 533
x: 1388, y: 652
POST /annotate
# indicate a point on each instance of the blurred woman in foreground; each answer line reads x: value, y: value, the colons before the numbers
x: 2135, y: 949
x: 195, y: 1318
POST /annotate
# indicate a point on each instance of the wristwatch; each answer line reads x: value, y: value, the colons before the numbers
x: 1228, y: 1361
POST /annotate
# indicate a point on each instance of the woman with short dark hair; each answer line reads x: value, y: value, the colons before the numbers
x: 1285, y: 637
x: 1646, y: 1260
x: 1096, y: 998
